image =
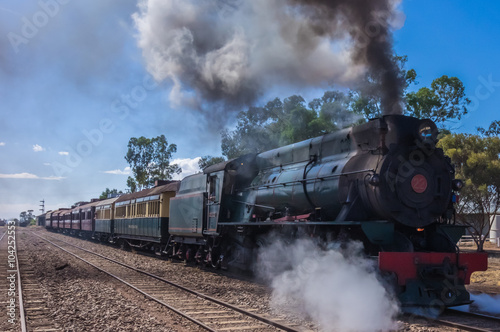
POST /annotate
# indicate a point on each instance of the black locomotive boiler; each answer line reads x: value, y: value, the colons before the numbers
x: 384, y: 183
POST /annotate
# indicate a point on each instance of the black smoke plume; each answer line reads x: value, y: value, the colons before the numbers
x: 368, y: 23
x: 224, y: 54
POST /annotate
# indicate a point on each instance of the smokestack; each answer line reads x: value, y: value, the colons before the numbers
x: 224, y: 54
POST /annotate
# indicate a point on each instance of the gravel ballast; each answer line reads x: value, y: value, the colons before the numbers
x: 84, y: 299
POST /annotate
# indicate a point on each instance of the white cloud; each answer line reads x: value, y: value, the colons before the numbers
x: 125, y: 171
x: 189, y: 166
x: 47, y: 164
x: 29, y: 176
x: 38, y: 148
x: 63, y: 153
x: 2, y: 143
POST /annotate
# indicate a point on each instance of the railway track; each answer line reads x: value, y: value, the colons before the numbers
x: 468, y: 321
x: 23, y: 294
x: 36, y: 311
x: 205, y: 311
x: 8, y: 285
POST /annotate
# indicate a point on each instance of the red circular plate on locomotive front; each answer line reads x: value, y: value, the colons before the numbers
x: 419, y: 183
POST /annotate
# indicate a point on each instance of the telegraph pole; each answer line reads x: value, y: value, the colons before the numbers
x: 43, y: 206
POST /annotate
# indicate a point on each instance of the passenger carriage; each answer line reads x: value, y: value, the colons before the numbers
x: 141, y: 218
x: 104, y: 219
x: 83, y: 217
x: 66, y: 219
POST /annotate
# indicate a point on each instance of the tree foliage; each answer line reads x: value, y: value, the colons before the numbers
x: 149, y: 160
x: 113, y: 192
x: 477, y: 162
x: 444, y: 100
x: 206, y: 161
x: 284, y: 122
x: 493, y: 129
x: 26, y: 218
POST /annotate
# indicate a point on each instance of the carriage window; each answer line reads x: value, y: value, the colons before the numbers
x: 121, y: 211
x: 154, y: 208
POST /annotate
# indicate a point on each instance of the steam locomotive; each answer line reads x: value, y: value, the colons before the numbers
x: 383, y: 183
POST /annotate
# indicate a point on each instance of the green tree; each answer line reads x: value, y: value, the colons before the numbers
x: 477, y: 162
x: 298, y: 122
x: 291, y: 120
x: 253, y: 133
x: 23, y: 217
x: 131, y: 184
x: 336, y: 111
x: 493, y: 130
x: 206, y: 161
x: 149, y: 160
x: 26, y: 217
x: 444, y: 100
x: 106, y: 193
x: 284, y: 122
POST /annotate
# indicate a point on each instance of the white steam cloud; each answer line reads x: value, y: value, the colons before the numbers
x: 487, y: 303
x: 484, y: 303
x: 338, y: 289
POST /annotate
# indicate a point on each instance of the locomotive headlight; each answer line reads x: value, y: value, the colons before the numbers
x: 427, y: 132
x: 457, y: 184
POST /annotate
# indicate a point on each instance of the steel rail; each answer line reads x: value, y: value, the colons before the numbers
x: 476, y: 315
x: 461, y: 326
x: 198, y: 294
x: 22, y: 316
x: 128, y: 284
x: 20, y: 295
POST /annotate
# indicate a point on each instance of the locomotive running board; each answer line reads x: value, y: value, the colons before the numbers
x: 294, y: 223
x: 303, y: 223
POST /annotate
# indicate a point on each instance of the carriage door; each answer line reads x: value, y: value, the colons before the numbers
x: 213, y: 201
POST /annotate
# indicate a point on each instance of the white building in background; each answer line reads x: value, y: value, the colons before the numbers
x: 495, y: 230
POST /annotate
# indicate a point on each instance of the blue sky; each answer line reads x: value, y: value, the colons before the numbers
x: 456, y: 38
x: 75, y: 88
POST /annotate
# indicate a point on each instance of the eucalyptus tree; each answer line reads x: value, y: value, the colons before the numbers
x: 149, y: 160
